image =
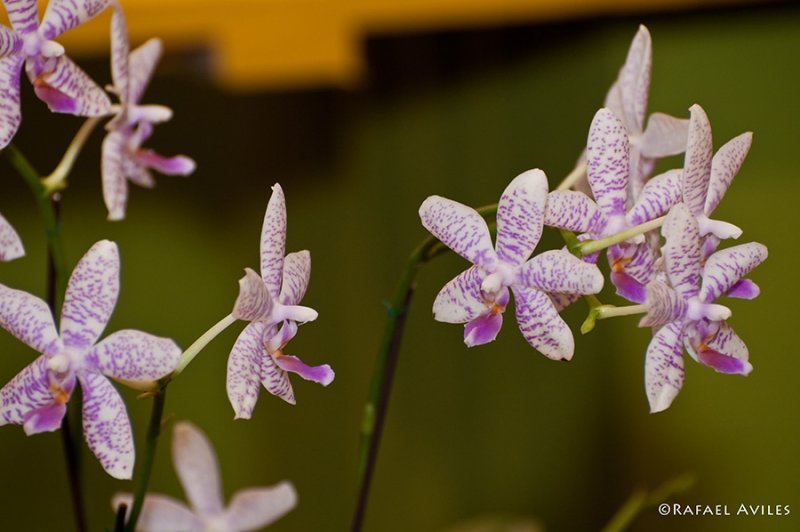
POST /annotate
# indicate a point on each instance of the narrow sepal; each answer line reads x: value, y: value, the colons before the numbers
x: 10, y: 112
x: 520, y: 214
x: 634, y: 80
x: 196, y: 465
x: 29, y: 319
x: 276, y: 380
x: 697, y: 162
x: 142, y: 64
x: 254, y: 508
x: 63, y: 15
x: 726, y: 267
x: 608, y: 157
x: 561, y: 272
x: 681, y: 251
x: 244, y: 370
x: 541, y: 325
x: 460, y: 300
x: 571, y: 210
x: 296, y: 274
x: 724, y: 167
x: 273, y: 241
x: 23, y: 15
x: 663, y: 367
x: 115, y: 184
x: 460, y: 228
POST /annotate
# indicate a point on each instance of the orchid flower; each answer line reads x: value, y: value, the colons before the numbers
x: 37, y: 397
x: 627, y: 98
x: 10, y: 243
x: 123, y: 156
x: 197, y: 469
x: 479, y: 295
x: 57, y: 81
x: 270, y: 302
x: 685, y: 314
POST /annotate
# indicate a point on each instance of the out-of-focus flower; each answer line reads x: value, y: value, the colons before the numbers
x: 270, y: 302
x: 123, y: 156
x: 37, y: 397
x: 197, y: 468
x: 10, y: 243
x: 479, y: 295
x: 684, y: 313
x: 57, y: 81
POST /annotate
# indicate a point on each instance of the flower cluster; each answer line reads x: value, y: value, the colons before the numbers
x: 674, y: 281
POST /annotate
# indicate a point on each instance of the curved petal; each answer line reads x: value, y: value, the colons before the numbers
x: 10, y: 112
x: 460, y: 228
x: 135, y: 358
x: 197, y: 468
x: 744, y: 289
x: 63, y: 15
x: 28, y: 394
x: 323, y: 374
x: 571, y: 210
x: 665, y: 135
x: 23, y: 15
x: 663, y: 306
x: 120, y: 48
x: 641, y: 265
x: 726, y: 267
x: 253, y: 301
x: 628, y: 287
x: 115, y: 183
x: 273, y: 241
x: 726, y: 341
x: 10, y: 42
x: 296, y: 274
x: 561, y: 272
x: 460, y: 300
x: 541, y: 325
x: 681, y: 251
x: 255, y: 508
x: 657, y: 197
x: 484, y: 328
x: 29, y: 319
x: 520, y: 214
x: 91, y: 295
x: 562, y: 301
x: 143, y: 61
x: 634, y: 80
x: 663, y: 367
x: 724, y: 167
x: 10, y: 243
x: 697, y: 162
x: 106, y: 426
x: 160, y: 513
x: 66, y: 88
x: 608, y: 159
x: 276, y: 380
x: 244, y: 370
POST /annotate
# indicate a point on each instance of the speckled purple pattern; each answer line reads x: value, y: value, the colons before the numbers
x: 559, y: 271
x: 142, y: 64
x: 29, y: 319
x: 27, y: 392
x: 663, y: 305
x: 243, y: 382
x: 134, y: 356
x: 273, y: 241
x: 276, y: 380
x: 608, y: 156
x: 66, y: 88
x: 663, y: 367
x: 724, y: 167
x: 726, y: 267
x: 23, y: 15
x: 253, y: 301
x: 10, y: 42
x: 657, y: 197
x: 460, y: 228
x: 634, y: 79
x: 681, y: 251
x: 571, y: 210
x: 460, y: 300
x: 296, y: 275
x: 63, y: 15
x: 115, y: 186
x: 697, y: 162
x: 520, y: 214
x: 665, y: 135
x: 10, y: 113
x: 540, y: 324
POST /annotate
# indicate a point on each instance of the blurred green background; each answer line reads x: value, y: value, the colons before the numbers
x: 492, y: 430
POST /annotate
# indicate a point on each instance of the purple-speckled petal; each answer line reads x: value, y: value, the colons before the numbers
x: 106, y: 426
x: 460, y: 228
x: 160, y: 513
x: 561, y: 272
x: 723, y: 363
x: 665, y: 135
x: 484, y: 328
x: 663, y: 306
x: 628, y: 287
x: 10, y: 243
x: 562, y: 301
x: 23, y: 15
x: 725, y: 267
x: 728, y: 342
x: 541, y: 325
x: 296, y: 274
x: 608, y: 157
x: 143, y: 61
x: 744, y: 289
x: 641, y: 259
x: 253, y: 301
x: 663, y: 367
x: 244, y: 370
x: 681, y: 251
x: 255, y: 508
x: 65, y: 88
x: 571, y: 210
x: 634, y: 80
x: 276, y: 380
x: 273, y: 241
x: 724, y: 167
x: 63, y: 15
x: 323, y: 374
x: 120, y: 48
x: 91, y: 295
x: 115, y: 184
x: 10, y: 113
x: 697, y: 163
x: 656, y: 198
x: 10, y: 42
x: 197, y: 468
x: 520, y: 213
x: 460, y: 300
x: 134, y: 358
x: 29, y: 319
x: 32, y: 398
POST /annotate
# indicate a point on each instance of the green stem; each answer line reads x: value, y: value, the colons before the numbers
x: 602, y: 312
x: 146, y: 464
x: 640, y: 499
x: 57, y: 180
x: 201, y: 343
x: 591, y: 246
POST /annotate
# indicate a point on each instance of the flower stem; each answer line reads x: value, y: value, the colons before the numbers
x: 151, y: 444
x: 590, y: 246
x: 641, y: 499
x: 577, y: 173
x: 601, y: 312
x: 57, y: 180
x: 201, y: 343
